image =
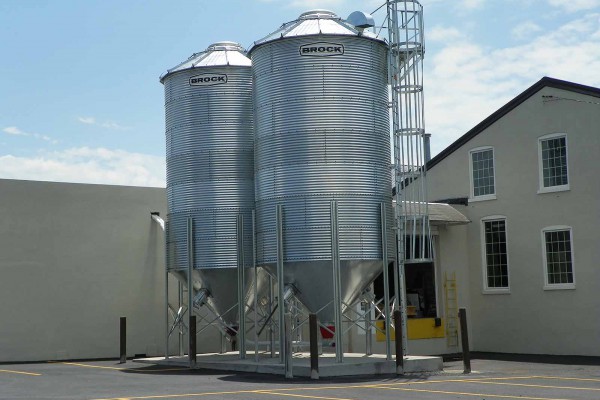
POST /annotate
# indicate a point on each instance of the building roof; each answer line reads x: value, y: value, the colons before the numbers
x: 501, y: 112
x: 445, y: 214
x: 439, y: 214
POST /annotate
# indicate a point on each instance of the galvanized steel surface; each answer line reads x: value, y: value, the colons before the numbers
x: 314, y: 22
x: 216, y: 55
x: 322, y: 134
x: 210, y: 161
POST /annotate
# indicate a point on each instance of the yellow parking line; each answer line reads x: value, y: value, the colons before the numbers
x: 568, y: 379
x: 282, y: 391
x: 482, y: 395
x: 174, y: 396
x: 279, y: 391
x: 536, y: 386
x: 9, y: 371
x: 305, y: 396
x: 123, y: 369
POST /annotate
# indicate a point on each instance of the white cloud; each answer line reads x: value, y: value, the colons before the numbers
x: 308, y: 4
x: 472, y: 4
x: 87, y: 165
x: 106, y: 124
x: 525, y: 30
x: 465, y: 82
x: 113, y: 125
x: 575, y: 5
x: 87, y: 120
x: 443, y: 34
x: 13, y: 130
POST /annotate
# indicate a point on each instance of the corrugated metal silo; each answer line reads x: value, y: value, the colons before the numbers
x: 210, y: 162
x: 322, y: 134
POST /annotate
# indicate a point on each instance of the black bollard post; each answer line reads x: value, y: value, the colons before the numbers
x: 123, y: 340
x: 464, y: 336
x: 398, y: 340
x: 314, y: 346
x: 192, y: 352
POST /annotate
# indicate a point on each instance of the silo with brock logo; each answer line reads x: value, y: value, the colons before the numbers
x: 322, y: 134
x: 210, y: 162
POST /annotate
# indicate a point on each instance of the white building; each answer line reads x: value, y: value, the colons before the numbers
x: 528, y: 264
x: 74, y: 258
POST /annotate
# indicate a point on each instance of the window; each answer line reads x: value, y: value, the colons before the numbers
x: 483, y: 186
x: 552, y: 154
x: 495, y: 255
x: 558, y: 258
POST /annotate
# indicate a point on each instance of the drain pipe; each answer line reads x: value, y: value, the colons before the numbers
x: 156, y: 217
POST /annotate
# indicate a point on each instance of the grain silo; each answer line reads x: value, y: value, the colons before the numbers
x: 322, y: 134
x: 210, y: 163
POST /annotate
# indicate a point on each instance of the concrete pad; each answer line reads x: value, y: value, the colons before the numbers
x: 354, y: 364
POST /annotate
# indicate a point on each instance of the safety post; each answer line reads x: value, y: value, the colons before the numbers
x: 314, y: 346
x: 464, y: 337
x: 398, y: 337
x: 192, y: 352
x: 123, y: 340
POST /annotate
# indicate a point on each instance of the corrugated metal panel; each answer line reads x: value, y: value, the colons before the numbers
x: 322, y: 134
x: 210, y: 159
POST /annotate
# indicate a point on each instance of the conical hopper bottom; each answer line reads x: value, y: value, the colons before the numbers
x: 314, y: 282
x: 222, y: 286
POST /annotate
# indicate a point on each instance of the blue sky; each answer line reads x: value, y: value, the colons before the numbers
x: 81, y: 101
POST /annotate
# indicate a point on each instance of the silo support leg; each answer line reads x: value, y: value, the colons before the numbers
x: 280, y: 283
x: 386, y: 286
x: 337, y: 290
x: 241, y: 285
x: 190, y: 257
x: 288, y: 346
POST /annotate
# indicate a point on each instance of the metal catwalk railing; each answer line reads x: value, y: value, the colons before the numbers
x: 407, y: 49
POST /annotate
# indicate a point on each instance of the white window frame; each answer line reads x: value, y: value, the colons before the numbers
x: 486, y: 288
x: 484, y: 197
x: 557, y: 286
x: 552, y: 189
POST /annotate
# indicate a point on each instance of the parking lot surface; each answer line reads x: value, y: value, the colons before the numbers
x: 550, y: 378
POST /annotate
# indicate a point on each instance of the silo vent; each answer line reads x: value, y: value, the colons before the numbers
x: 361, y: 20
x: 318, y: 14
x: 226, y: 45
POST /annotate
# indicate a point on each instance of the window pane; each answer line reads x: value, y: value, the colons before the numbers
x: 483, y: 172
x: 559, y: 265
x: 554, y: 161
x: 496, y: 254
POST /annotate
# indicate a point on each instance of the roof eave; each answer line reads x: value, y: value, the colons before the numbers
x: 511, y: 105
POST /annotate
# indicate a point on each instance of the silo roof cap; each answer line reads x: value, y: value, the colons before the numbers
x: 318, y: 13
x: 315, y: 22
x: 216, y: 55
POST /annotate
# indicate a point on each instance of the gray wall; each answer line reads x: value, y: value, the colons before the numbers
x: 530, y: 319
x: 73, y: 259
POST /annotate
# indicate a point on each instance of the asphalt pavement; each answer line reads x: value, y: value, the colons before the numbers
x: 493, y: 377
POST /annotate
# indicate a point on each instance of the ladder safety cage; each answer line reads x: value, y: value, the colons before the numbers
x: 405, y: 69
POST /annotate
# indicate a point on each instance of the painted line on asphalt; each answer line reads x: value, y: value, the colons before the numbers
x: 137, y: 370
x: 10, y: 371
x: 175, y: 396
x: 275, y: 393
x: 482, y: 395
x: 568, y: 379
x: 535, y: 386
x: 284, y: 390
